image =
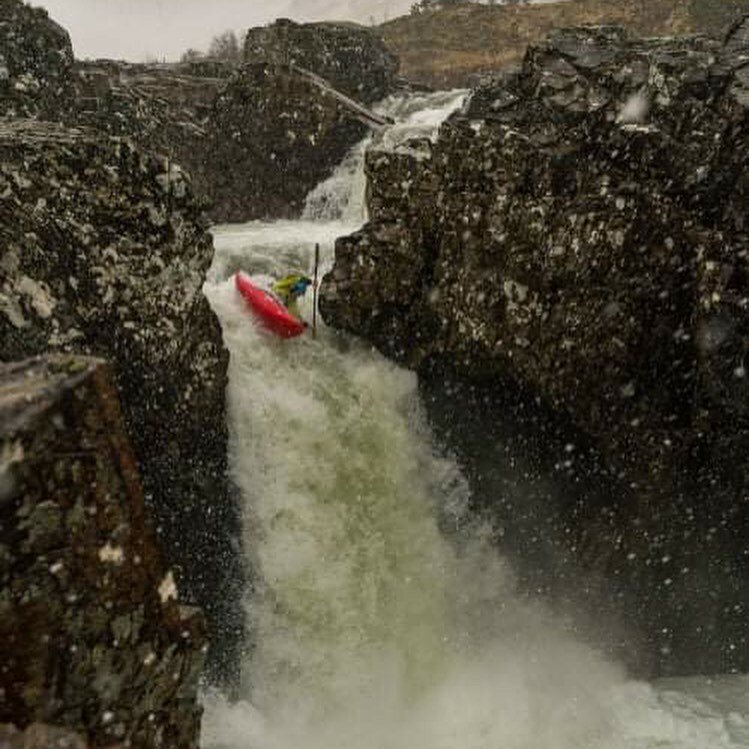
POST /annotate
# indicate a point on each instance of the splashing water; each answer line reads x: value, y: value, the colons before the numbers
x: 373, y: 626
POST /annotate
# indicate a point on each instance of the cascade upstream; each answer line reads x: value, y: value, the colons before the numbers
x: 373, y: 626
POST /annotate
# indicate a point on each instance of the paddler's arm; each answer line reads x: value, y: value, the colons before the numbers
x: 284, y: 287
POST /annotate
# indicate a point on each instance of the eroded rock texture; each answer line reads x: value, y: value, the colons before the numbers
x: 254, y: 139
x: 104, y: 251
x: 580, y: 231
x: 36, y: 63
x: 275, y: 135
x: 353, y: 59
x: 92, y: 636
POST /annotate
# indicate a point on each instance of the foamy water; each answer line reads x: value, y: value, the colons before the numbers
x: 373, y: 626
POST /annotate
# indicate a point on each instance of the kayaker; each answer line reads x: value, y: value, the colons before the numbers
x: 290, y: 289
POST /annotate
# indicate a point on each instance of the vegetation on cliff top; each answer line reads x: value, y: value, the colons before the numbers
x: 453, y: 44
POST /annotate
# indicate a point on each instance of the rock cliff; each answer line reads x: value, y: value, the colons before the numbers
x: 274, y: 135
x: 353, y: 59
x: 579, y: 234
x: 36, y: 63
x: 254, y: 139
x: 105, y: 252
x: 92, y: 634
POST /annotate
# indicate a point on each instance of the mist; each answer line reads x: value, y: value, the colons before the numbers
x: 139, y: 30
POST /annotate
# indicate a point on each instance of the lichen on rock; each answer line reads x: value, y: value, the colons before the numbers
x: 86, y: 642
x: 104, y: 252
x: 36, y: 63
x: 351, y: 58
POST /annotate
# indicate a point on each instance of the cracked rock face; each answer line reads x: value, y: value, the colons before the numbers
x: 92, y: 634
x: 353, y: 59
x: 104, y: 251
x: 254, y: 139
x: 36, y: 63
x: 581, y: 229
x: 273, y: 136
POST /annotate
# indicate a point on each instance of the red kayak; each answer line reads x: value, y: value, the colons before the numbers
x: 272, y: 313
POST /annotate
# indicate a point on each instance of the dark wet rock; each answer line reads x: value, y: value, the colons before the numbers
x: 581, y: 232
x: 277, y: 135
x: 104, y: 251
x: 93, y: 636
x: 254, y: 140
x: 352, y: 58
x: 36, y: 62
x: 166, y: 109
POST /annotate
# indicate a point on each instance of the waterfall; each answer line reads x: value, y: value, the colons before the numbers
x: 373, y: 624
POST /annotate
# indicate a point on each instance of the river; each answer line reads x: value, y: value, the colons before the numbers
x: 373, y: 626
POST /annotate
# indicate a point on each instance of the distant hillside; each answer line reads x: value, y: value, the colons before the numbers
x: 450, y: 46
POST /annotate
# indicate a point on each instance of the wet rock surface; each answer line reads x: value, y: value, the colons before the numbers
x: 255, y: 139
x: 36, y: 63
x: 353, y: 59
x: 580, y: 231
x: 93, y: 636
x: 105, y: 252
x: 276, y: 135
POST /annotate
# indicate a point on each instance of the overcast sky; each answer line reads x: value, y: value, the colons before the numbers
x: 140, y: 29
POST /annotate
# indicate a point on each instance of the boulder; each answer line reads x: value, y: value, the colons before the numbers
x: 580, y: 233
x: 351, y: 58
x: 274, y: 135
x: 36, y: 63
x: 105, y: 252
x: 93, y: 637
x: 254, y: 139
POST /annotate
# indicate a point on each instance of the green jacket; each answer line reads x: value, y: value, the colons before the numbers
x: 289, y: 289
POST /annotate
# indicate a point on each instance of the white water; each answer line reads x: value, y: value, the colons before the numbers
x: 371, y: 629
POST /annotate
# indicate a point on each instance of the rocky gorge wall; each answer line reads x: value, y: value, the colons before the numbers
x: 351, y: 58
x: 577, y: 238
x: 104, y: 252
x: 255, y: 138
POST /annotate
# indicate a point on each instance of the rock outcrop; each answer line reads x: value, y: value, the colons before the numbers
x: 453, y: 45
x: 104, y: 251
x: 92, y: 635
x: 351, y: 58
x: 254, y: 139
x: 36, y: 63
x: 582, y: 232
